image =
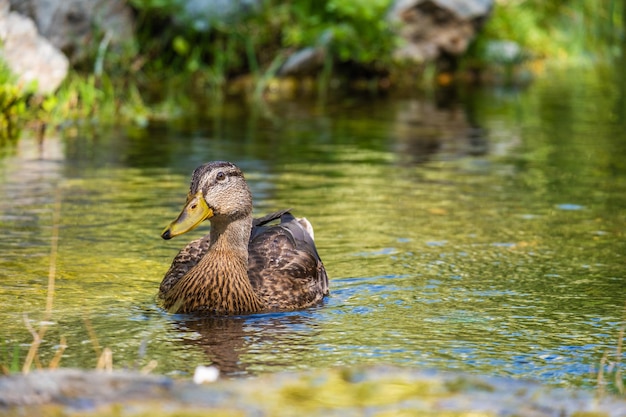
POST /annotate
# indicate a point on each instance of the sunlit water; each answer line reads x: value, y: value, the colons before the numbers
x: 485, y: 235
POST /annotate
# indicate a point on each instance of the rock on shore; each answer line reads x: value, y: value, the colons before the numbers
x: 27, y: 54
x: 335, y: 392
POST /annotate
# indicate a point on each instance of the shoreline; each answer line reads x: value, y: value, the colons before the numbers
x: 376, y: 390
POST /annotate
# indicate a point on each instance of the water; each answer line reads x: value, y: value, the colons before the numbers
x: 484, y: 234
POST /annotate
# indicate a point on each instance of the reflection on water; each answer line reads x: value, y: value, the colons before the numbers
x: 238, y: 345
x: 426, y: 130
x: 484, y: 234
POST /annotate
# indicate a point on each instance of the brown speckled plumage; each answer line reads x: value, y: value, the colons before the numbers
x: 243, y: 265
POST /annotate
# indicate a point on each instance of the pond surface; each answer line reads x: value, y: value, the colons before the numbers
x: 484, y: 234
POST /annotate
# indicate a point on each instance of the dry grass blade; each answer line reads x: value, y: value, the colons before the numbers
x: 613, y: 367
x: 600, y: 381
x: 105, y: 356
x: 54, y: 363
x: 32, y: 355
x: 619, y: 382
x: 54, y: 250
x: 149, y: 367
x: 105, y: 361
x: 92, y: 335
x: 34, y: 346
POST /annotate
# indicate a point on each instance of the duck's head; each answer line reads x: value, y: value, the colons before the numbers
x: 218, y: 192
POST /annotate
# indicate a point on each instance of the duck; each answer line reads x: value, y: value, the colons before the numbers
x: 243, y: 265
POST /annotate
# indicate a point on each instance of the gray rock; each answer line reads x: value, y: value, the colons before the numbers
x: 433, y: 28
x: 73, y: 387
x: 308, y: 60
x: 333, y: 392
x: 28, y: 55
x: 466, y: 9
x: 305, y: 61
x: 203, y: 14
x: 75, y: 26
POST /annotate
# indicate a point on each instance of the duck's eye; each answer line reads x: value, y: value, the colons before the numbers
x: 220, y: 176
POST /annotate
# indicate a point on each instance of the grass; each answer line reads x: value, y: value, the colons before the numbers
x: 13, y: 105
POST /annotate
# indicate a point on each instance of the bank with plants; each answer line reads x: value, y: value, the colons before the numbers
x: 143, y: 60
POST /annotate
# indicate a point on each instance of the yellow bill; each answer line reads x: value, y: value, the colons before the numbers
x: 195, y: 212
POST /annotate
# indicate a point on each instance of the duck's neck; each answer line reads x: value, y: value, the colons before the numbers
x: 231, y: 237
x: 219, y: 282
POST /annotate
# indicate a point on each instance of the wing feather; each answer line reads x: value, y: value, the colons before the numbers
x: 283, y: 263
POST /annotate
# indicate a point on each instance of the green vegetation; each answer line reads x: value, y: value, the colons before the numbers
x: 12, y: 105
x: 255, y: 44
x: 569, y: 32
x: 174, y: 65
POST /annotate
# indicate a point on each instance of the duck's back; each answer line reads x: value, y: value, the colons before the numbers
x: 283, y: 264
